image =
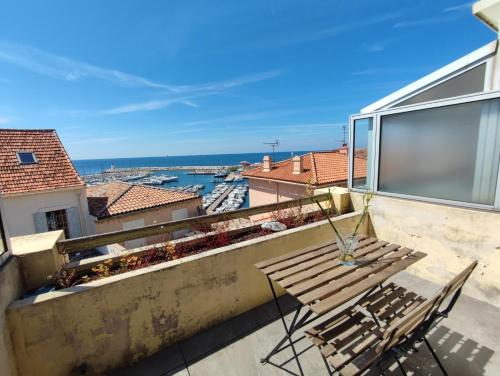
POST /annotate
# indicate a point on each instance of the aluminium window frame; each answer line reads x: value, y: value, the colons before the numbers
x: 377, y: 117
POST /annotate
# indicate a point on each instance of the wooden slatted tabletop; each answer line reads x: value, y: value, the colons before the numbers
x: 319, y: 281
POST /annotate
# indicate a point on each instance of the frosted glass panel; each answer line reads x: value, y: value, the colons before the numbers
x: 363, y: 136
x: 469, y: 82
x: 449, y: 152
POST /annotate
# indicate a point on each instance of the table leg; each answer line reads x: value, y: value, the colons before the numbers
x: 289, y: 331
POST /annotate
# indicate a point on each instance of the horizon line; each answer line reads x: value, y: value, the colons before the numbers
x: 199, y: 155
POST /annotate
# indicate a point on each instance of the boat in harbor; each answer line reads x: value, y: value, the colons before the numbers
x: 221, y: 174
x: 157, y: 179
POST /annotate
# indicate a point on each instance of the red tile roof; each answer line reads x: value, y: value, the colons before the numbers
x: 115, y: 198
x: 53, y: 169
x: 319, y: 168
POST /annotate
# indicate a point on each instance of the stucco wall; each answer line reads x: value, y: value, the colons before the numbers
x: 118, y: 320
x: 150, y: 216
x: 452, y: 238
x: 262, y: 192
x: 10, y: 289
x: 19, y: 210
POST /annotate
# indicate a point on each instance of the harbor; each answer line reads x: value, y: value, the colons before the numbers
x: 209, y: 170
x: 225, y: 198
x: 183, y: 181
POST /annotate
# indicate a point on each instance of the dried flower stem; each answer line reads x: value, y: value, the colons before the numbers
x: 331, y: 223
x: 367, y: 197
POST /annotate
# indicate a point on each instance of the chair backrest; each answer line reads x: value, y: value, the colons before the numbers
x: 456, y: 285
x: 426, y: 311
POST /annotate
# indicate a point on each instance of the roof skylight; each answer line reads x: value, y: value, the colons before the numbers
x: 26, y: 157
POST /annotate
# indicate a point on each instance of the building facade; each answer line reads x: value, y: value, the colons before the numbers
x: 121, y: 206
x: 296, y: 177
x: 40, y: 187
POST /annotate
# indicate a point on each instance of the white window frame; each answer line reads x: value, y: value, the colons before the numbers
x: 377, y: 115
x: 370, y: 184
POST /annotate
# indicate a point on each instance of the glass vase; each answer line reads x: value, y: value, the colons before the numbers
x: 347, y: 245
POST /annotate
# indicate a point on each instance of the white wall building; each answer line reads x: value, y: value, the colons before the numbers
x: 41, y: 189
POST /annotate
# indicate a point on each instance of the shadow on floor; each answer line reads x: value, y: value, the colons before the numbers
x: 459, y: 356
x: 178, y: 357
x: 249, y: 336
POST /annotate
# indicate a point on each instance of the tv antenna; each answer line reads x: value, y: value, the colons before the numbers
x: 344, y: 135
x: 274, y: 144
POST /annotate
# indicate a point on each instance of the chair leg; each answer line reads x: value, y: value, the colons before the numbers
x: 381, y: 370
x: 400, y: 366
x: 435, y: 357
x: 330, y: 372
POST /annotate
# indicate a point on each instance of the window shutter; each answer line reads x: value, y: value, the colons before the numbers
x: 73, y: 222
x: 40, y: 222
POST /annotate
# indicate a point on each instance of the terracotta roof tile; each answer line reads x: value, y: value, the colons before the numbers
x: 319, y: 168
x: 115, y: 198
x: 53, y: 169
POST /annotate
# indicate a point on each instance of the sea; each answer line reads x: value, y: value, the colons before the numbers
x: 93, y: 166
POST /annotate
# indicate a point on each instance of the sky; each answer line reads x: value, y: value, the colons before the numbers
x: 130, y: 78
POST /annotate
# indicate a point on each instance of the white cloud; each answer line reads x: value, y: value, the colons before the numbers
x: 375, y: 47
x: 459, y: 8
x: 366, y: 72
x: 452, y: 13
x: 63, y: 68
x: 4, y: 120
x: 144, y: 106
x: 420, y: 22
x: 243, y: 117
x: 331, y: 32
x: 189, y: 103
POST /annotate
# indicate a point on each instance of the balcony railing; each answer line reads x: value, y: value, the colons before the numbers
x: 75, y: 245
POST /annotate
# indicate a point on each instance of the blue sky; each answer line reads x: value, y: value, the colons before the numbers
x: 146, y: 78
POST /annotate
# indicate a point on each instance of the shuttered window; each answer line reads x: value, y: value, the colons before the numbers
x: 67, y: 220
x: 57, y: 220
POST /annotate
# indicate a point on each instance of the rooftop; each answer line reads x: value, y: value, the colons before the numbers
x: 52, y: 168
x: 116, y: 198
x: 319, y: 168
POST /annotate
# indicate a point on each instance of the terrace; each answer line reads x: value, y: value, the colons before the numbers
x: 200, y: 306
x: 212, y: 313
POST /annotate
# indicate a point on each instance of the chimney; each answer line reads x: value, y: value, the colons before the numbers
x: 267, y: 163
x: 297, y: 165
x: 343, y: 149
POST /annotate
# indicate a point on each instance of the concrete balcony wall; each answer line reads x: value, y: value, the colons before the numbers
x: 451, y: 236
x: 110, y: 323
x: 10, y: 290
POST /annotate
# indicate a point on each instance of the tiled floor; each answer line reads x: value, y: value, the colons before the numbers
x: 468, y: 342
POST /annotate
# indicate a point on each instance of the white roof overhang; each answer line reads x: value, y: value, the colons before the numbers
x: 488, y: 11
x: 464, y: 63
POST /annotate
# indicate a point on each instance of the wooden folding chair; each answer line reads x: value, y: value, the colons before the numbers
x: 383, y: 327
